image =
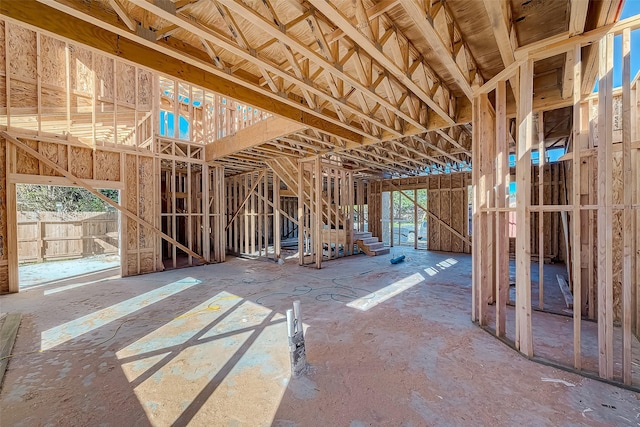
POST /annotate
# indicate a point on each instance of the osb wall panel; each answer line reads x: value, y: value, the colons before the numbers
x: 82, y: 164
x: 126, y: 82
x: 457, y: 217
x: 145, y: 200
x: 4, y: 280
x: 445, y: 216
x: 145, y: 89
x: 57, y: 153
x: 433, y: 202
x: 104, y: 76
x: 22, y: 52
x: 3, y: 98
x: 147, y: 262
x: 617, y: 243
x: 3, y: 70
x: 131, y: 201
x: 107, y: 166
x: 52, y: 55
x: 24, y: 95
x: 139, y: 181
x: 53, y: 101
x: 26, y: 163
x: 80, y: 72
x: 3, y: 57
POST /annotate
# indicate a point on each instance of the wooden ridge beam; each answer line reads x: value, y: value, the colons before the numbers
x: 81, y: 183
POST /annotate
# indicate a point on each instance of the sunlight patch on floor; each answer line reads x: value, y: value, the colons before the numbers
x: 373, y: 299
x: 226, y: 359
x: 77, y: 327
x: 77, y: 285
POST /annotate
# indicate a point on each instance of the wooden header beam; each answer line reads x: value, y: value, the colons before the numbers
x: 252, y: 136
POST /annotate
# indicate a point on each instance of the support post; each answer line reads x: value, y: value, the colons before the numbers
x: 605, y: 230
x: 576, y: 225
x: 502, y: 222
x: 524, y: 338
x: 627, y: 227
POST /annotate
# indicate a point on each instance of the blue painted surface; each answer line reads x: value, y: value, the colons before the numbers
x: 397, y: 260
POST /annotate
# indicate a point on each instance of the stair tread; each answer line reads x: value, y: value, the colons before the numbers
x: 361, y: 236
x: 381, y: 251
x: 373, y: 246
x: 369, y: 240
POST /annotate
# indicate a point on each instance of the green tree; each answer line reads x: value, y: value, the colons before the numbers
x: 50, y: 198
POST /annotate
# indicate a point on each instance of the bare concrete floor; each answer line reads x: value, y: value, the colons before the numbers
x: 387, y: 344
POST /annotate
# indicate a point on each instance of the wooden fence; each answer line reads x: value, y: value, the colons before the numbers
x: 48, y: 236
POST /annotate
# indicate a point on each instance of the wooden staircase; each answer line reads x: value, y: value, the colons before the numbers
x: 368, y: 244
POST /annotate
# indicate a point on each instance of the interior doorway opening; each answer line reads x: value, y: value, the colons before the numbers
x: 66, y: 233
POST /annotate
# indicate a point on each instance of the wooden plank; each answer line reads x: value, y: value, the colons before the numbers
x: 564, y: 219
x: 301, y: 216
x: 566, y: 292
x: 251, y: 205
x: 577, y: 16
x: 524, y: 340
x: 627, y: 218
x: 498, y: 12
x: 252, y: 136
x: 81, y: 183
x: 541, y: 236
x: 605, y: 262
x: 576, y: 225
x: 12, y: 220
x: 502, y: 219
x: 577, y: 19
x: 277, y: 231
x: 8, y: 334
x: 316, y: 223
x: 475, y: 179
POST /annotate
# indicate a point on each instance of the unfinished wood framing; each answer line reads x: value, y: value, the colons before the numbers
x: 589, y: 197
x: 248, y: 127
x: 325, y: 212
